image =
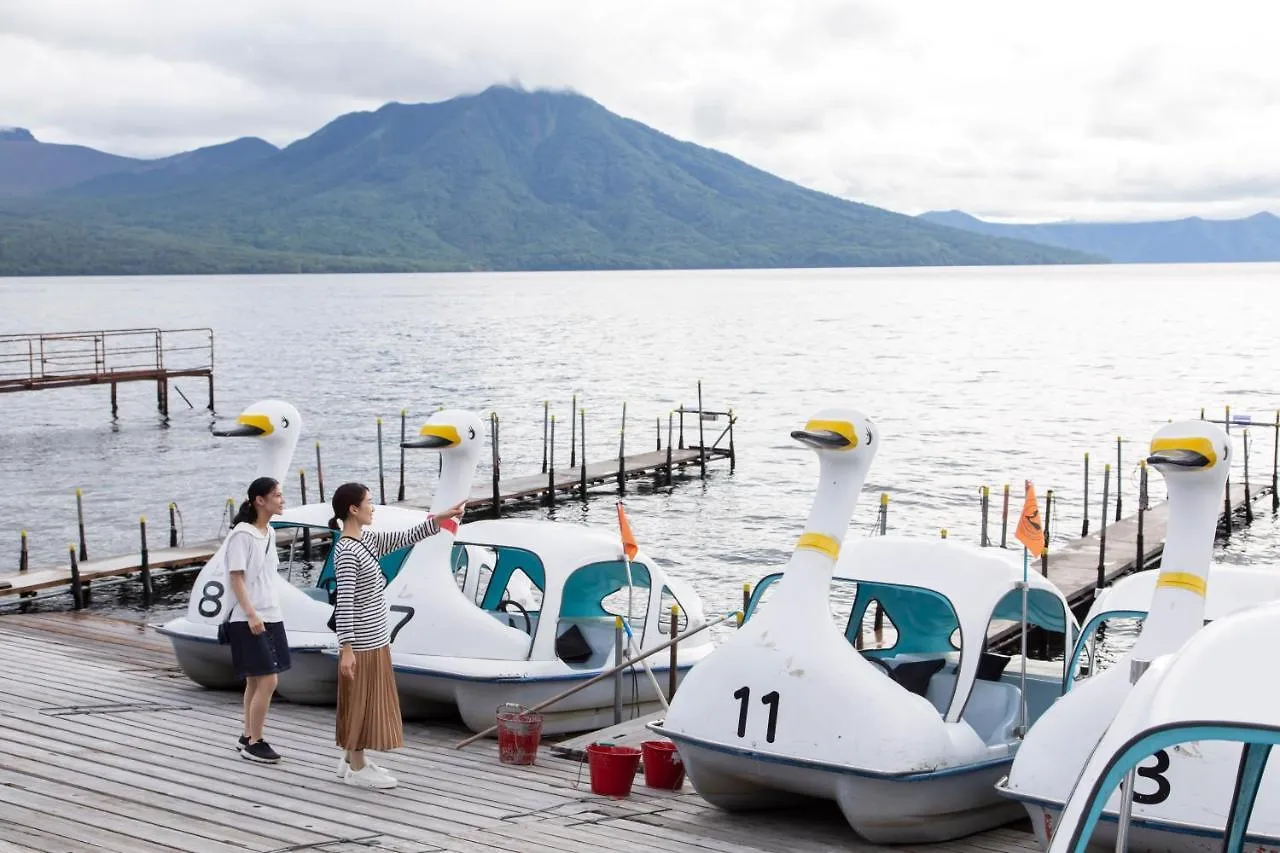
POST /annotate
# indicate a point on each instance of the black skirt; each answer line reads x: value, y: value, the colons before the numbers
x: 258, y: 654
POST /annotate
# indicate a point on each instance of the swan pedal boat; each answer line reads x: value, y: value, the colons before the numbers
x: 907, y: 739
x: 1197, y: 732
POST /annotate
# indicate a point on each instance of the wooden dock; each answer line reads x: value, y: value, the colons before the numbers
x: 109, y: 748
x: 513, y: 493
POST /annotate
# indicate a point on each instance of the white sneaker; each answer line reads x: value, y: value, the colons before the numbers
x: 367, y: 777
x: 344, y: 768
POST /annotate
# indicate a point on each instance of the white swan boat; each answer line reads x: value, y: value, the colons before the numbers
x: 911, y: 757
x: 275, y: 425
x: 1194, y: 457
x: 1233, y: 588
x: 1196, y: 732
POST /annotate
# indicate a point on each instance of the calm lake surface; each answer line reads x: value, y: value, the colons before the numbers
x: 974, y: 375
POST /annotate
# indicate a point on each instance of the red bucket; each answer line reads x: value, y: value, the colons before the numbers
x: 519, y: 733
x: 662, y: 765
x: 613, y: 769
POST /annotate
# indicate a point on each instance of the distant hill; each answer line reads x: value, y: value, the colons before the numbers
x: 505, y: 179
x: 1191, y: 240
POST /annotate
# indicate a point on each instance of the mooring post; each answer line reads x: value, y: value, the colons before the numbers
x: 617, y: 676
x: 1248, y: 501
x: 551, y: 467
x: 146, y: 563
x: 1044, y: 561
x: 1048, y: 513
x: 1140, y: 561
x: 231, y: 513
x: 84, y: 548
x: 546, y: 416
x: 884, y: 513
x: 702, y: 441
x: 211, y: 391
x: 115, y: 409
x: 1084, y: 528
x: 1004, y: 518
x: 582, y: 457
x: 984, y: 502
x: 657, y: 428
x: 403, y: 419
x: 671, y: 676
x: 671, y: 416
x: 382, y: 483
x: 1102, y: 532
x: 573, y: 433
x: 77, y: 592
x: 681, y: 410
x: 733, y: 454
x: 493, y: 443
x: 306, y: 531
x: 622, y: 453
x: 943, y: 533
x: 1226, y: 494
x: 1119, y: 479
x: 173, y: 525
x: 1275, y: 466
x: 23, y: 559
x: 746, y: 599
x: 319, y: 474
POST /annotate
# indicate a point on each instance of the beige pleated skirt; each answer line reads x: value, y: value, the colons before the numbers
x: 368, y: 705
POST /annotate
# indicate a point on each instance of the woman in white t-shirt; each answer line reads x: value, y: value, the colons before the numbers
x: 259, y: 647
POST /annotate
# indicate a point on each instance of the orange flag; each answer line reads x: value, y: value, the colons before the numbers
x: 1030, y: 532
x: 629, y: 546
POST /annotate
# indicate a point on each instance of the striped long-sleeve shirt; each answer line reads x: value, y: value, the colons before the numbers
x: 360, y: 611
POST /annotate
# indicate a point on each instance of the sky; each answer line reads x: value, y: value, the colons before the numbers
x: 1012, y: 111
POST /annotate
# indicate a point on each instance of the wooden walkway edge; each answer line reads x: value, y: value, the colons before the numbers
x: 108, y: 748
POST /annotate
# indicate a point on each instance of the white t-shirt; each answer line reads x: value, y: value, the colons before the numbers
x: 251, y: 551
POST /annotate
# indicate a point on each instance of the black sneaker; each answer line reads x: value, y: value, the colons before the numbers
x: 260, y: 751
x: 242, y: 743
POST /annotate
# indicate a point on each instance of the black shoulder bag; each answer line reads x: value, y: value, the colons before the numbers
x: 332, y: 624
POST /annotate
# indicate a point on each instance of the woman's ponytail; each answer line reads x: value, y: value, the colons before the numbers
x: 248, y: 511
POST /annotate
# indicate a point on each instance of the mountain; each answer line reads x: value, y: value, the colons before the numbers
x: 504, y: 179
x: 1191, y: 240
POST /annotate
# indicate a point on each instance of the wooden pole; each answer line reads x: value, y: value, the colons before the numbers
x: 681, y: 410
x: 1004, y: 518
x: 546, y: 421
x: 573, y: 433
x: 84, y: 548
x: 884, y: 513
x: 147, y: 590
x: 1226, y: 494
x: 306, y: 531
x: 622, y: 453
x: 985, y: 503
x: 733, y: 454
x: 1102, y: 532
x: 702, y: 441
x: 671, y: 416
x: 382, y: 482
x: 1248, y: 500
x: 23, y: 559
x: 1048, y: 513
x: 319, y: 474
x: 1119, y: 479
x: 493, y: 441
x: 115, y: 409
x: 173, y: 526
x: 551, y: 466
x: 1084, y: 529
x: 403, y: 418
x: 608, y: 672
x: 1140, y: 561
x: 77, y: 592
x: 582, y: 459
x: 1275, y: 466
x: 658, y: 430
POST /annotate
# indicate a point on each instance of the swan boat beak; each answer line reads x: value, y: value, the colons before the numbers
x: 827, y: 435
x: 1196, y: 453
x: 249, y: 425
x: 435, y: 437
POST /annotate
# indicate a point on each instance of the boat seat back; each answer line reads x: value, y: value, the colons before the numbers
x: 319, y: 593
x: 993, y: 710
x: 597, y: 634
x: 515, y: 619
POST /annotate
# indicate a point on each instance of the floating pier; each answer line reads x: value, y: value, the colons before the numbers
x: 108, y: 748
x: 42, y: 361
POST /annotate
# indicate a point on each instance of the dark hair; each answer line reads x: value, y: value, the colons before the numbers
x: 348, y: 495
x: 259, y: 488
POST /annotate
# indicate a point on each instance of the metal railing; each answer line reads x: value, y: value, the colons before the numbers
x: 31, y: 359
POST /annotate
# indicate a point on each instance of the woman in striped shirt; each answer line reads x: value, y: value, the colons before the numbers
x: 368, y: 705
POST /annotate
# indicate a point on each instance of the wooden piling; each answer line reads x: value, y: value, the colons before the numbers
x: 173, y: 525
x: 403, y: 419
x: 319, y: 474
x: 77, y: 590
x: 1119, y: 478
x: 733, y: 454
x: 1084, y: 527
x: 943, y: 533
x: 551, y: 466
x: 702, y: 441
x: 147, y: 590
x: 1226, y: 492
x: 382, y: 480
x: 657, y: 426
x: 573, y: 433
x: 1275, y: 466
x: 746, y: 597
x: 546, y: 415
x: 115, y: 408
x: 211, y: 379
x: 1102, y: 532
x: 671, y: 674
x: 622, y: 453
x: 1142, y: 512
x: 1248, y: 500
x: 493, y: 442
x: 1048, y: 513
x: 984, y: 502
x: 1004, y: 518
x: 23, y: 559
x: 681, y: 426
x: 582, y: 437
x: 306, y: 531
x: 671, y: 416
x: 884, y: 513
x: 84, y: 548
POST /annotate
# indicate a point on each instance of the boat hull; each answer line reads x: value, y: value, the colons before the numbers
x: 311, y: 679
x: 1145, y: 835
x: 205, y: 662
x: 920, y: 808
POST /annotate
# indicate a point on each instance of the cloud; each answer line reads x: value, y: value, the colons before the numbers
x: 1008, y: 109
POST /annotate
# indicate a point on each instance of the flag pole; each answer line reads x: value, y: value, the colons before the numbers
x: 626, y: 623
x: 1022, y: 729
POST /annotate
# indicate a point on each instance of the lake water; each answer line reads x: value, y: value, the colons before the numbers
x: 974, y: 375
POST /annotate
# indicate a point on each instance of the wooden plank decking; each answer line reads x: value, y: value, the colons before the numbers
x: 106, y: 746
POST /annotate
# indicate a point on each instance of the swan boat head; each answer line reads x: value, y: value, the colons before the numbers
x: 276, y: 426
x: 459, y: 437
